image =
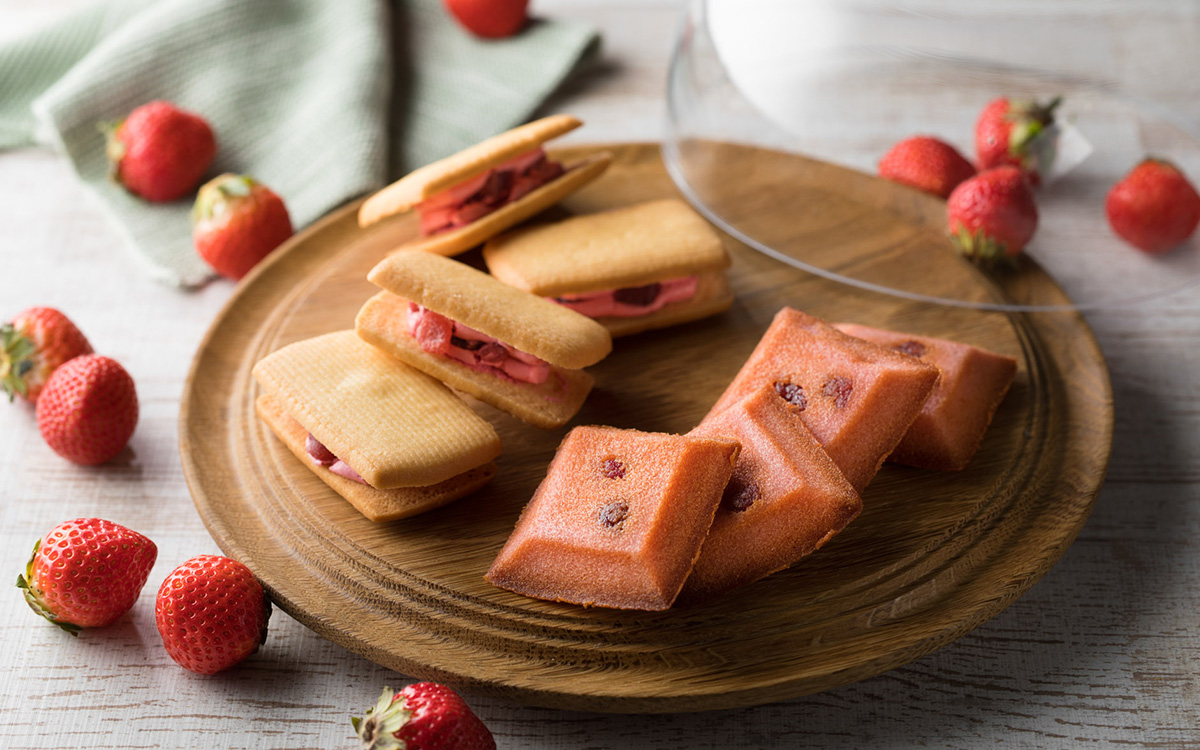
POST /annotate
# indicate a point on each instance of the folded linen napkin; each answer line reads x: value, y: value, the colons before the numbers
x: 320, y: 100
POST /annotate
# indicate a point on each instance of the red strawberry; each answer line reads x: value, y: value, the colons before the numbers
x: 33, y: 346
x: 491, y: 19
x: 211, y: 613
x: 88, y: 409
x: 236, y: 222
x: 86, y: 573
x: 160, y: 151
x: 992, y: 215
x: 927, y: 164
x: 1007, y: 134
x: 422, y: 716
x: 1154, y: 207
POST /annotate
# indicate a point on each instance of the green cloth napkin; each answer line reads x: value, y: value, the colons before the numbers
x: 321, y: 101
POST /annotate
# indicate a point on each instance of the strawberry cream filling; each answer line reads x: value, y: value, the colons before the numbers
x: 464, y: 203
x: 440, y: 335
x: 631, y: 302
x: 322, y: 456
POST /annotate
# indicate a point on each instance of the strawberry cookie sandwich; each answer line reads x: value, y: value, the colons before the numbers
x: 636, y: 268
x: 391, y: 440
x: 514, y: 350
x: 466, y: 198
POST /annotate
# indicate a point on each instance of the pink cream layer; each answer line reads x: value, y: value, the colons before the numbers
x: 479, y: 196
x: 631, y: 302
x: 322, y: 456
x: 438, y: 334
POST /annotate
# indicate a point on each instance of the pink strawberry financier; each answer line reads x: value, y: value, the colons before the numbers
x: 619, y: 519
x: 951, y: 425
x: 511, y: 349
x: 635, y: 268
x: 391, y: 440
x: 857, y: 398
x: 479, y: 192
x: 785, y: 499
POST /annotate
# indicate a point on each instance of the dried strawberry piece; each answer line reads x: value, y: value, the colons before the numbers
x: 739, y: 495
x: 318, y: 452
x: 839, y: 389
x: 613, y: 469
x: 433, y: 332
x: 792, y: 393
x: 911, y: 348
x: 638, y: 296
x: 614, y: 513
x: 492, y: 354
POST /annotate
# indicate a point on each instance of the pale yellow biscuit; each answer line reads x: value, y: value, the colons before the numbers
x: 383, y: 322
x: 394, y: 425
x: 522, y: 320
x: 713, y: 295
x: 509, y: 215
x: 376, y: 505
x: 433, y: 178
x: 623, y: 247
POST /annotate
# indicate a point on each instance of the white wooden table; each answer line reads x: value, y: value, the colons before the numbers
x: 1103, y: 652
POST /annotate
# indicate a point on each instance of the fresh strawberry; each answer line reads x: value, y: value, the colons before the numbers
x: 927, y: 164
x: 236, y: 222
x: 211, y: 613
x: 33, y: 346
x: 88, y: 409
x: 992, y: 216
x: 491, y: 19
x: 1006, y: 134
x: 422, y: 716
x: 1154, y: 207
x: 86, y: 573
x: 160, y: 151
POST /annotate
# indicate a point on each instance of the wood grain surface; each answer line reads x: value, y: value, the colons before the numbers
x: 932, y: 555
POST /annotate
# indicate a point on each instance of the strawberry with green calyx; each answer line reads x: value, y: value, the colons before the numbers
x: 1154, y: 207
x: 159, y: 151
x: 212, y: 614
x: 1019, y: 133
x: 88, y: 410
x: 35, y: 344
x: 927, y: 164
x: 86, y: 573
x: 422, y: 716
x: 236, y: 222
x: 992, y: 216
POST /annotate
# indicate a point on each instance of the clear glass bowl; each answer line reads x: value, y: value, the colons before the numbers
x: 837, y: 82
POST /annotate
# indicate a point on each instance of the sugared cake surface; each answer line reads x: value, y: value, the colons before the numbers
x: 618, y: 520
x: 785, y: 499
x: 857, y: 398
x: 949, y: 429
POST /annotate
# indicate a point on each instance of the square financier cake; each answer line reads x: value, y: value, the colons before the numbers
x: 618, y: 520
x: 948, y: 431
x: 391, y: 440
x: 785, y: 499
x: 857, y: 398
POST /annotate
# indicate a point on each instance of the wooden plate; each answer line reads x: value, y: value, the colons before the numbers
x: 931, y: 557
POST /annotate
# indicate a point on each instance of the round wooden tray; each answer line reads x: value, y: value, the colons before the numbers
x: 932, y: 556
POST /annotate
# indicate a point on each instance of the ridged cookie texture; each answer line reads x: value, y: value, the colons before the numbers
x: 383, y: 322
x: 522, y: 320
x: 510, y: 214
x: 622, y: 247
x: 437, y: 176
x: 394, y: 425
x: 376, y: 505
